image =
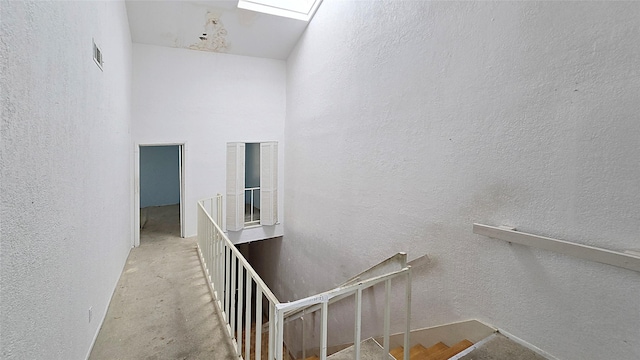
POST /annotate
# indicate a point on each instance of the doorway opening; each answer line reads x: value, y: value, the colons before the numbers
x: 159, y: 195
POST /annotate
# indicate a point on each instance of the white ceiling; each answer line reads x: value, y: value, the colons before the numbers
x: 228, y: 29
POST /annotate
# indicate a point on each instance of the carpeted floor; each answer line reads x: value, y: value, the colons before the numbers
x: 162, y: 308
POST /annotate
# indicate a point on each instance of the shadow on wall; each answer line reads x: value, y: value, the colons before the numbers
x: 264, y: 257
x: 144, y: 216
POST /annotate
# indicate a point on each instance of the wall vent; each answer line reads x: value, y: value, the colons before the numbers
x: 97, y: 55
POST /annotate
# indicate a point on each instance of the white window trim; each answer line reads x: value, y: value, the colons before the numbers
x: 236, y: 185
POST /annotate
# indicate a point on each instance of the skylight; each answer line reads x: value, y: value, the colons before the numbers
x: 295, y: 9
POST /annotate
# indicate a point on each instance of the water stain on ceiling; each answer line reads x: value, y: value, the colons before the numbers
x: 214, y: 37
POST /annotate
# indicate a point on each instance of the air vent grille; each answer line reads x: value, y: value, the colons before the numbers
x: 97, y: 55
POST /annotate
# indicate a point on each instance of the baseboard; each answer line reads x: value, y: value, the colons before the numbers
x: 113, y: 291
x: 527, y: 345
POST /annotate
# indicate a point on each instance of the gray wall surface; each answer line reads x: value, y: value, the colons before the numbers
x: 159, y: 175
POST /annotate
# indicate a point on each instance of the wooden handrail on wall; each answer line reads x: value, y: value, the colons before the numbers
x: 620, y: 259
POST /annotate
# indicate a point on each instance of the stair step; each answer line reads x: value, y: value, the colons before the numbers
x: 397, y: 353
x: 453, y: 350
x: 418, y: 352
x: 434, y: 349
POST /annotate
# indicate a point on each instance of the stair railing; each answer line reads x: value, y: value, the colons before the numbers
x: 296, y: 309
x: 232, y: 280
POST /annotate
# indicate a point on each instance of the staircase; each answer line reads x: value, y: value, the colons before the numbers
x: 255, y: 319
x: 479, y: 342
x: 371, y: 349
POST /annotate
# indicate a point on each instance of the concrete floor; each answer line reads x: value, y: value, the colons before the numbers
x: 369, y: 350
x: 162, y: 308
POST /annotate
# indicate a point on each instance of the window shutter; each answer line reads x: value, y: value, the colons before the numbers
x: 268, y: 183
x: 235, y: 186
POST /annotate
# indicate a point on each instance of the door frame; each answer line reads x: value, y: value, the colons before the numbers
x: 182, y: 148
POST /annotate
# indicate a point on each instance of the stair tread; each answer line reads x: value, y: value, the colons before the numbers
x: 436, y: 348
x: 397, y: 353
x: 423, y: 353
x: 418, y: 352
x: 453, y: 350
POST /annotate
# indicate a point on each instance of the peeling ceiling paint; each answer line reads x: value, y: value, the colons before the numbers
x: 214, y: 37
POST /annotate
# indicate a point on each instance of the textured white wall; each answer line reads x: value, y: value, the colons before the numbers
x: 205, y: 100
x: 407, y: 121
x: 65, y: 172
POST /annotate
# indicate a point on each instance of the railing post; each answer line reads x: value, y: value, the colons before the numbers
x: 279, y: 334
x: 205, y: 247
x: 358, y: 325
x: 247, y: 317
x: 219, y: 214
x: 258, y: 322
x: 239, y: 302
x: 214, y: 264
x: 323, y: 330
x: 212, y: 258
x: 272, y: 329
x: 232, y: 313
x: 200, y: 226
x: 408, y: 315
x: 387, y: 316
x: 209, y: 254
x: 227, y: 285
x: 304, y: 342
x: 221, y: 267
